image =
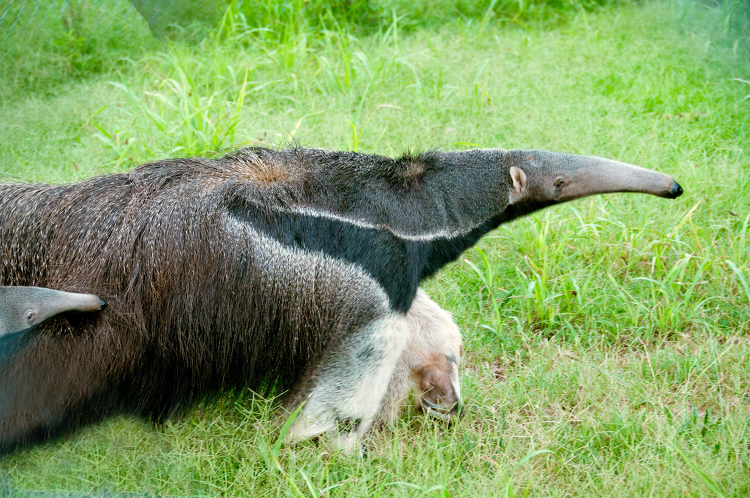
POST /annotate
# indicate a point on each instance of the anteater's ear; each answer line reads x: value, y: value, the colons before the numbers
x: 519, y: 179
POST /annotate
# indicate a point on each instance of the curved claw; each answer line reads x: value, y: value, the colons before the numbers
x: 437, y: 411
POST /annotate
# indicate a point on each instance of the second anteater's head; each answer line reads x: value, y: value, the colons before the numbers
x: 540, y: 178
x: 22, y: 308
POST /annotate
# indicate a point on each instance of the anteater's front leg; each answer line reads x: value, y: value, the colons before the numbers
x: 368, y: 375
x: 347, y: 390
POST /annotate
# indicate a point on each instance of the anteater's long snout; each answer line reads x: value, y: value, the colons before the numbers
x: 586, y: 175
x: 614, y: 176
x: 621, y: 177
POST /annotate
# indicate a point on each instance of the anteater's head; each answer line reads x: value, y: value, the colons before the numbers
x: 540, y: 178
x: 24, y: 307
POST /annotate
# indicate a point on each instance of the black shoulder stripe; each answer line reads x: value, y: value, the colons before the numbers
x: 393, y: 262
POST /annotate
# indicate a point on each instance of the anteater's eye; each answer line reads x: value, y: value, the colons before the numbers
x: 30, y: 315
x: 559, y: 183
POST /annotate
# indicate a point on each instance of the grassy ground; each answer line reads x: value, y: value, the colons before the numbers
x: 607, y: 341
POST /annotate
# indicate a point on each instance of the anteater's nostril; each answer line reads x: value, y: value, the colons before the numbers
x: 675, y: 191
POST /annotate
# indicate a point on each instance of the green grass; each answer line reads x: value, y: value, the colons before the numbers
x: 607, y: 340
